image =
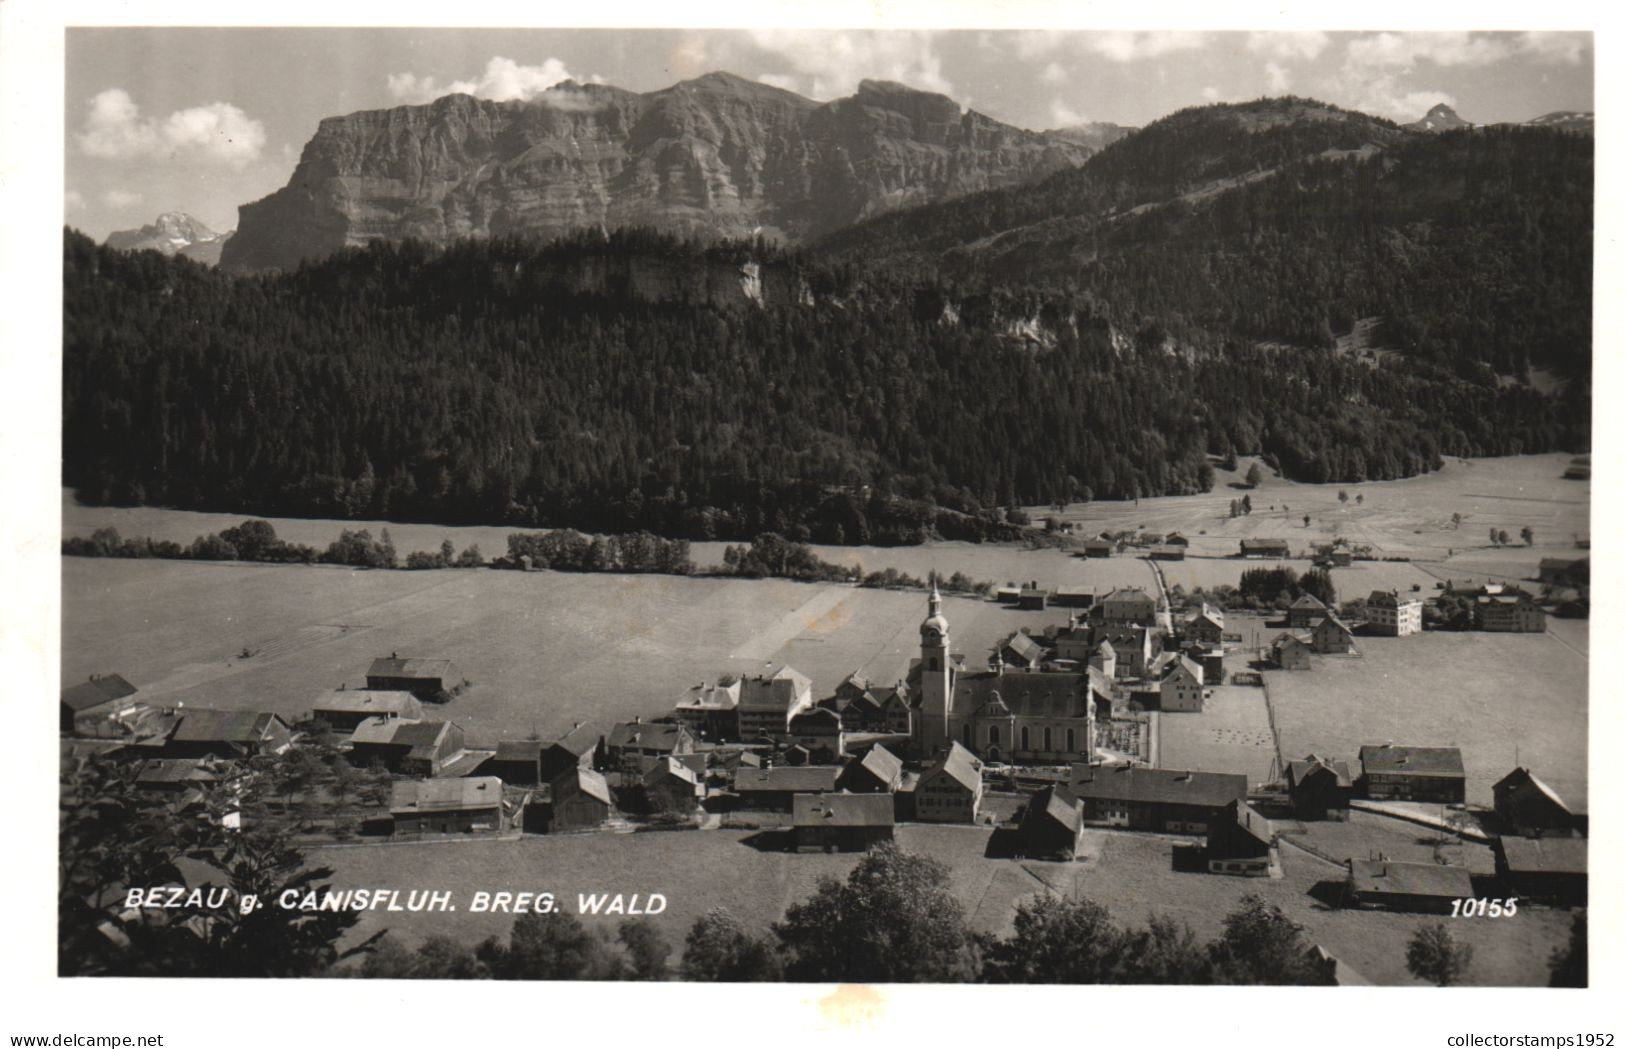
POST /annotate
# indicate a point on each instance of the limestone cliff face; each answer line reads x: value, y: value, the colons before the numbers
x: 718, y: 155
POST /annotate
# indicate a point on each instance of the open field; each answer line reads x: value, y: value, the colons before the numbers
x: 1503, y: 699
x: 1231, y: 734
x: 542, y: 649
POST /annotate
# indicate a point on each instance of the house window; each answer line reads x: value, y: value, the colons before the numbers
x: 1071, y: 739
x: 1024, y: 743
x: 993, y: 735
x: 964, y: 734
x: 1047, y: 738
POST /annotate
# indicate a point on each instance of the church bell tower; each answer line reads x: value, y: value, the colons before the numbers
x: 936, y: 677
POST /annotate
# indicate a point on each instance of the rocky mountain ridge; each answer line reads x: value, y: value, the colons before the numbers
x: 715, y: 156
x: 173, y: 233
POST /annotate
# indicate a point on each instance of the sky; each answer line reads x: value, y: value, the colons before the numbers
x: 203, y: 120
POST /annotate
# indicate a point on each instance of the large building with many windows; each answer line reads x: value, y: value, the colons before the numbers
x: 1391, y: 615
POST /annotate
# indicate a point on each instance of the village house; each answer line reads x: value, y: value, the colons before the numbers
x: 1206, y: 626
x: 1142, y: 798
x: 579, y: 799
x: 877, y: 772
x: 1103, y: 658
x: 821, y: 731
x: 711, y: 712
x: 950, y: 791
x: 1242, y: 842
x: 411, y: 748
x: 1210, y: 659
x: 1290, y: 652
x: 1305, y: 612
x: 1126, y: 606
x: 573, y: 750
x: 346, y: 708
x: 1021, y: 652
x: 1332, y: 636
x: 1390, y: 773
x: 1051, y: 825
x: 632, y: 746
x: 1032, y: 598
x: 1098, y: 547
x: 431, y: 680
x: 1167, y: 552
x: 1511, y: 611
x: 1072, y: 597
x: 1530, y: 807
x: 1175, y: 539
x: 517, y: 761
x: 1389, y: 614
x: 468, y: 805
x: 1424, y: 887
x: 996, y: 715
x: 774, y: 789
x: 227, y: 734
x: 841, y: 822
x: 1550, y: 869
x: 94, y: 703
x: 796, y: 755
x: 1073, y: 642
x: 866, y: 707
x: 768, y: 701
x: 1180, y: 687
x: 672, y: 786
x: 1320, y: 788
x: 1265, y: 548
x: 1132, y: 648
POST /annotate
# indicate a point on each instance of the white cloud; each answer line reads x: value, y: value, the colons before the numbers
x: 118, y: 198
x: 114, y: 129
x: 1385, y: 95
x: 73, y: 200
x: 786, y: 83
x: 1130, y: 47
x: 1288, y: 45
x: 836, y: 60
x: 503, y: 80
x: 1063, y: 116
x: 1445, y: 49
x: 1210, y: 93
x: 1053, y: 74
x: 1279, y: 79
x: 1567, y: 48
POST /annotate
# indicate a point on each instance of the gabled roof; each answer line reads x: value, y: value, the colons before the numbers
x: 779, y: 688
x: 843, y: 810
x: 103, y: 688
x: 646, y: 735
x: 786, y: 778
x: 1128, y: 593
x: 1298, y: 771
x: 1138, y: 783
x: 1254, y: 826
x: 202, y: 725
x: 1287, y: 638
x: 577, y: 741
x: 882, y: 764
x: 181, y: 770
x: 1025, y: 647
x: 1210, y: 615
x: 375, y: 730
x: 960, y: 764
x: 1520, y: 776
x: 369, y: 701
x: 824, y: 719
x: 1331, y: 621
x: 1412, y: 761
x: 427, y: 669
x: 1263, y: 544
x: 1390, y: 599
x: 1388, y: 877
x: 1309, y: 601
x: 1054, y: 803
x: 1557, y: 855
x: 445, y: 795
x: 582, y: 781
x: 669, y: 767
x: 518, y: 750
x: 710, y: 697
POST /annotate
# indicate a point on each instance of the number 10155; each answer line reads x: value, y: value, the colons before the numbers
x: 1482, y: 908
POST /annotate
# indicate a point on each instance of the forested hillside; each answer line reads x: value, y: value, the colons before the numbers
x: 638, y: 381
x: 1287, y: 220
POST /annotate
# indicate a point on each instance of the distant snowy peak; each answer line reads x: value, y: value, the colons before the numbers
x: 1442, y: 118
x: 173, y: 233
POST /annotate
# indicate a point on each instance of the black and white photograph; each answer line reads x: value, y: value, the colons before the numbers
x: 951, y: 505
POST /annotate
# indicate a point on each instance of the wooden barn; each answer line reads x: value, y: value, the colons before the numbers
x: 1051, y: 825
x: 841, y: 822
x: 431, y: 680
x: 470, y: 805
x: 1530, y: 807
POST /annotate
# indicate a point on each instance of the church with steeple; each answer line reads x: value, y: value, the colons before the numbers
x: 999, y: 714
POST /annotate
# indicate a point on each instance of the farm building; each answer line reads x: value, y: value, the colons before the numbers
x: 470, y: 805
x: 1032, y: 599
x: 1126, y: 606
x: 1072, y: 597
x: 1210, y: 659
x: 672, y: 786
x: 820, y: 731
x: 877, y: 772
x: 1098, y: 548
x: 1332, y: 636
x: 841, y: 822
x: 1548, y: 869
x: 227, y: 734
x: 1290, y: 652
x: 578, y: 800
x: 431, y: 680
x: 1175, y: 539
x: 1320, y: 788
x: 516, y: 761
x: 412, y: 748
x: 1243, y: 842
x: 97, y: 701
x: 710, y: 711
x: 1132, y: 648
x: 1007, y: 595
x: 572, y: 750
x: 1390, y: 773
x: 1051, y: 825
x: 346, y: 708
x: 774, y: 789
x: 1305, y: 612
x: 632, y: 745
x: 1530, y: 807
x: 1167, y: 553
x: 1389, y: 614
x: 1265, y: 548
x: 950, y: 791
x: 1141, y: 798
x: 1426, y: 887
x: 1021, y: 652
x: 1206, y: 626
x: 1511, y: 611
x: 768, y: 701
x: 178, y: 775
